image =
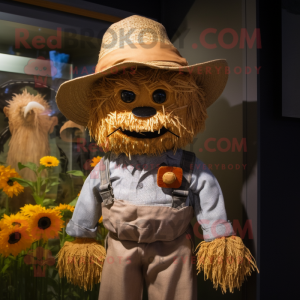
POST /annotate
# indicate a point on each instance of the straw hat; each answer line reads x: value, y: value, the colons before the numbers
x: 137, y: 42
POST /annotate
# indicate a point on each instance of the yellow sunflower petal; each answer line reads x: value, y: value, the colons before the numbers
x: 29, y: 209
x: 101, y: 219
x: 9, y: 187
x: 12, y: 188
x: 14, y: 240
x: 45, y: 224
x: 49, y: 161
x: 15, y: 220
x: 2, y: 225
x: 95, y: 161
x: 9, y: 172
x: 64, y: 207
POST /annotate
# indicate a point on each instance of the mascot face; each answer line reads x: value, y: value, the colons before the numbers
x: 146, y: 111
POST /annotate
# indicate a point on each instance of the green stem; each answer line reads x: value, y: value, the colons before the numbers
x: 48, y: 181
x: 63, y: 236
x: 38, y: 184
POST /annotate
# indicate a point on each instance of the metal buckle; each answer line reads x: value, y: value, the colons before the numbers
x: 107, y: 194
x: 180, y: 193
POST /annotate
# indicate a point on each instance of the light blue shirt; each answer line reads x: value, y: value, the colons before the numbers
x: 135, y: 181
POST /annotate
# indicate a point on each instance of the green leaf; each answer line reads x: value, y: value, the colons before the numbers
x: 41, y: 168
x: 2, y: 212
x: 54, y: 183
x: 67, y: 214
x: 73, y: 203
x: 30, y: 165
x: 76, y: 173
x: 6, y: 266
x: 23, y: 182
x: 44, y: 181
x: 69, y: 238
x: 38, y: 199
x: 47, y: 202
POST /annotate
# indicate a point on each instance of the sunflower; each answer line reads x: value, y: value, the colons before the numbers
x: 45, y: 224
x: 3, y: 176
x: 9, y: 186
x: 14, y: 240
x: 15, y: 220
x: 1, y: 224
x: 6, y: 173
x: 12, y: 188
x: 49, y: 161
x: 29, y: 209
x: 95, y: 161
x: 64, y: 207
x: 100, y: 220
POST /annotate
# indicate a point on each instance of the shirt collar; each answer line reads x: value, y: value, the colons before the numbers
x: 152, y: 161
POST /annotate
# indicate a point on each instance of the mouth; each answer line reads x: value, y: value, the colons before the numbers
x: 145, y: 135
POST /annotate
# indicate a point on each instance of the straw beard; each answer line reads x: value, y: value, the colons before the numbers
x: 116, y: 129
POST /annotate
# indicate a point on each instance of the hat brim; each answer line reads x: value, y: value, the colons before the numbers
x: 72, y: 95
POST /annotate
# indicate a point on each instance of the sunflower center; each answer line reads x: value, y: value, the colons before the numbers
x: 14, y: 237
x: 49, y: 163
x: 10, y: 182
x: 16, y: 223
x: 44, y: 223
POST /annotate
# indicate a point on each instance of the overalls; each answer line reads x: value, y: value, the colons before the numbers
x: 148, y: 243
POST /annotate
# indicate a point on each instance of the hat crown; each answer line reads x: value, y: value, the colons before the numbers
x: 132, y: 31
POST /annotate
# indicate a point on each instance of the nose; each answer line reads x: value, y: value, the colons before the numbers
x: 144, y: 111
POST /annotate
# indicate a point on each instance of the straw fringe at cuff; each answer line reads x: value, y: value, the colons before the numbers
x: 81, y: 262
x: 226, y: 262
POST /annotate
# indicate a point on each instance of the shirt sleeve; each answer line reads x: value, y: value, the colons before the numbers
x: 88, y: 208
x: 208, y: 203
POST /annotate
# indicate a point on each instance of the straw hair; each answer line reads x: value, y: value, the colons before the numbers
x: 184, y: 112
x: 81, y: 262
x: 30, y: 134
x: 226, y: 262
x: 138, y: 42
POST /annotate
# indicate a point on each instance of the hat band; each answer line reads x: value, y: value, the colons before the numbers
x: 140, y: 53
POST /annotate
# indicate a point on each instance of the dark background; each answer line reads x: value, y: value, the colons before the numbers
x: 168, y: 12
x: 278, y: 168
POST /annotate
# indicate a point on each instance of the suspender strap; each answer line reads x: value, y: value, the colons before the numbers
x: 106, y: 191
x: 187, y: 165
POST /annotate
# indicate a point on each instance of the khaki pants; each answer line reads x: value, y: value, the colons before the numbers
x: 168, y: 268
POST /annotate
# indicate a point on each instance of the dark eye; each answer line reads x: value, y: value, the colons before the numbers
x: 127, y: 96
x: 159, y: 96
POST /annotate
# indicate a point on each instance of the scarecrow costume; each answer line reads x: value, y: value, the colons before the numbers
x: 143, y: 105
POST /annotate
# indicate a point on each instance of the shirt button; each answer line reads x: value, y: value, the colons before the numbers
x: 140, y: 185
